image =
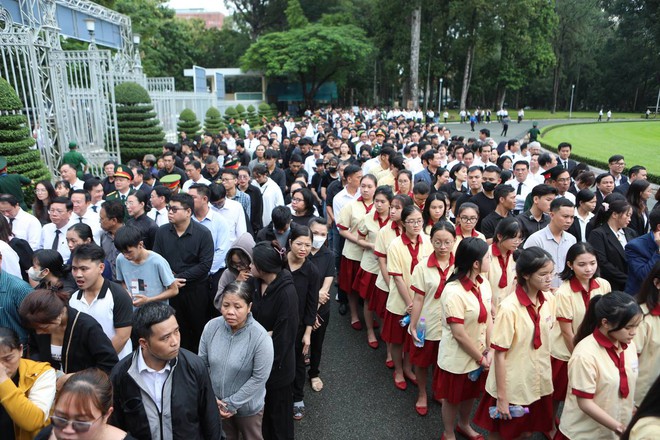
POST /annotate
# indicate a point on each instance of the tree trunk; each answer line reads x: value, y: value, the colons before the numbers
x: 467, y: 75
x: 501, y: 96
x: 414, y: 55
x: 375, y: 97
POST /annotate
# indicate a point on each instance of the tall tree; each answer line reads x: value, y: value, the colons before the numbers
x: 415, y: 30
x: 257, y: 17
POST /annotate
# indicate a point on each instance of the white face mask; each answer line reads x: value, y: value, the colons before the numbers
x: 35, y: 275
x: 318, y: 241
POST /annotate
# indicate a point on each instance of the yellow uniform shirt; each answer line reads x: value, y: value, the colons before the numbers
x: 528, y: 371
x: 399, y: 263
x: 592, y: 374
x: 428, y: 280
x: 647, y: 341
x: 349, y: 219
x: 460, y: 237
x: 386, y: 178
x: 384, y: 239
x: 461, y: 305
x: 570, y: 307
x: 646, y: 428
x: 495, y: 275
x: 368, y: 230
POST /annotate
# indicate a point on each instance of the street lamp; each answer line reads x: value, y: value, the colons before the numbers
x: 440, y: 98
x: 136, y: 39
x: 570, y: 111
x: 90, y: 24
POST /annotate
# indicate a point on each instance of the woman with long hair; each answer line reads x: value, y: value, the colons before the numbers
x: 49, y: 272
x: 467, y: 217
x: 520, y: 373
x: 302, y: 205
x: 580, y: 283
x: 365, y: 280
x: 428, y: 282
x: 63, y: 189
x: 345, y: 153
x: 458, y: 174
x: 609, y: 238
x: 403, y: 255
x: 259, y: 157
x: 435, y: 209
x: 638, y: 195
x: 466, y: 329
x: 307, y: 282
x: 44, y: 192
x: 239, y: 355
x: 137, y: 206
x: 602, y: 370
x: 349, y: 219
x: 502, y: 270
x: 646, y: 339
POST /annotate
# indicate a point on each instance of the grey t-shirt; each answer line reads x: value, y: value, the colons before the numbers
x: 149, y: 278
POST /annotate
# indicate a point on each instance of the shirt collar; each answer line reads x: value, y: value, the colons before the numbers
x: 576, y: 285
x: 605, y: 342
x: 102, y: 292
x: 468, y: 284
x: 433, y: 261
x: 143, y: 367
x: 406, y: 240
x: 525, y: 300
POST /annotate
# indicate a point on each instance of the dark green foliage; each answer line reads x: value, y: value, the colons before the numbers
x: 252, y: 117
x: 140, y: 131
x: 213, y: 121
x: 230, y: 113
x: 188, y: 123
x: 242, y: 113
x: 265, y: 112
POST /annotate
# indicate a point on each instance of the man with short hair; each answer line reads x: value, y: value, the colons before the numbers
x: 560, y: 178
x: 294, y: 171
x: 170, y: 167
x: 231, y: 211
x: 310, y: 161
x: 123, y: 180
x: 537, y: 216
x: 565, y: 161
x: 188, y: 248
x: 230, y: 182
x: 68, y: 174
x: 82, y: 214
x: 94, y: 188
x: 211, y: 171
x: 513, y: 151
x: 616, y: 164
x: 109, y: 180
x: 256, y: 201
x: 506, y: 200
x: 431, y: 160
x: 271, y: 194
x: 421, y: 191
x: 274, y: 173
x: 111, y: 218
x: 22, y: 224
x: 636, y: 172
x: 105, y: 301
x: 483, y: 160
x: 171, y: 384
x: 554, y: 238
x: 53, y: 235
x: 279, y: 228
x: 138, y: 180
x: 521, y: 183
x: 642, y: 254
x: 194, y: 173
x: 159, y: 198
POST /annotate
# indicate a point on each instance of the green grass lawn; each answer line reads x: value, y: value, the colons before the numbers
x: 563, y: 114
x: 639, y: 142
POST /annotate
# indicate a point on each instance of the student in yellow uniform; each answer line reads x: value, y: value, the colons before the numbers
x: 466, y: 328
x: 520, y: 373
x: 580, y: 283
x: 365, y: 281
x: 647, y: 339
x: 435, y: 210
x: 428, y: 281
x: 466, y: 219
x: 602, y: 370
x: 403, y: 255
x: 384, y: 239
x: 645, y: 424
x: 502, y: 270
x: 349, y: 219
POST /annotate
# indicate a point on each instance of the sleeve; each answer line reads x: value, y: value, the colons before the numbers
x: 608, y: 269
x: 532, y: 240
x: 362, y: 227
x: 117, y: 416
x: 504, y: 328
x: 209, y: 416
x: 418, y: 283
x: 487, y: 227
x: 158, y: 241
x: 164, y: 271
x: 122, y: 313
x: 261, y: 366
x: 205, y: 254
x: 642, y: 335
x: 241, y: 226
x: 29, y: 412
x: 99, y: 347
x: 312, y: 297
x: 24, y: 180
x: 639, y: 262
x: 344, y: 219
x: 582, y: 375
x: 203, y: 352
x: 454, y: 307
x: 379, y: 246
x: 281, y: 342
x: 119, y: 265
x: 563, y: 307
x: 394, y: 262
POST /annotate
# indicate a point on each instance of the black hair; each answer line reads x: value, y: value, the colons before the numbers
x: 317, y: 221
x: 64, y: 201
x: 203, y: 190
x: 83, y: 230
x: 564, y: 145
x: 421, y: 187
x: 163, y: 191
x: 408, y: 210
x: 613, y: 203
x: 467, y: 205
x: 9, y: 339
x: 143, y: 198
x: 544, y: 159
x: 368, y: 177
x: 635, y: 169
x: 502, y: 192
x: 583, y: 196
x: 260, y: 169
x: 426, y: 213
x: 634, y: 194
x: 185, y: 200
x: 543, y: 190
x: 89, y: 251
x: 502, y: 159
x: 39, y: 207
x: 128, y: 236
x: 469, y: 250
x: 615, y: 158
x: 404, y: 199
x: 281, y: 216
x: 298, y: 231
x: 269, y: 257
x: 308, y: 199
x: 52, y: 260
x: 87, y: 196
x: 617, y: 307
x: 530, y: 261
x: 508, y: 228
x: 443, y: 225
x: 601, y: 176
x: 149, y: 315
x: 350, y: 170
x: 455, y: 169
x: 579, y: 248
x: 114, y: 209
x: 560, y: 202
x: 242, y: 290
x: 648, y: 293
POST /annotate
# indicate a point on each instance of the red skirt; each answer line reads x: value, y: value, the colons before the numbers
x: 348, y: 269
x: 559, y: 379
x: 392, y: 331
x: 457, y: 388
x: 378, y: 302
x: 422, y: 357
x: 539, y: 418
x: 364, y: 284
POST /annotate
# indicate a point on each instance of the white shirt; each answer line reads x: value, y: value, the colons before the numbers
x: 583, y: 223
x: 78, y: 184
x: 154, y: 380
x: 10, y: 260
x: 251, y: 145
x: 234, y: 215
x: 342, y: 199
x: 161, y: 218
x: 27, y: 227
x: 272, y: 197
x: 310, y: 164
x: 48, y: 234
x: 527, y: 187
x: 91, y: 219
x: 188, y: 183
x: 568, y: 195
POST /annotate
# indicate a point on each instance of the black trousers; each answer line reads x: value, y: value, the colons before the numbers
x: 192, y: 313
x: 316, y: 348
x: 299, y: 380
x: 278, y: 414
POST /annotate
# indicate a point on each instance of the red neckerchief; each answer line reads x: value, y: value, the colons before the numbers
x: 504, y: 262
x: 421, y: 207
x: 366, y: 208
x: 433, y: 262
x: 474, y: 288
x: 395, y: 226
x: 414, y: 250
x: 576, y: 286
x: 655, y: 311
x: 383, y: 223
x: 430, y: 222
x: 618, y: 359
x: 536, y: 316
x: 459, y: 231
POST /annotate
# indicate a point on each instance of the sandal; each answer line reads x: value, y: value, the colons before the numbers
x: 317, y: 384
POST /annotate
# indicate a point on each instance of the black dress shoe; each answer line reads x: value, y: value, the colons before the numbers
x: 343, y: 309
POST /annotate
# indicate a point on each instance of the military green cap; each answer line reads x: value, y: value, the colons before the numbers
x: 73, y: 145
x: 124, y: 171
x: 171, y: 180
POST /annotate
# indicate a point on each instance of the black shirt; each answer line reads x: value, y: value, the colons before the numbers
x: 486, y: 206
x: 175, y: 170
x: 6, y: 423
x: 324, y: 260
x: 190, y: 256
x: 256, y: 207
x: 490, y: 223
x: 530, y: 224
x: 147, y: 227
x: 306, y: 280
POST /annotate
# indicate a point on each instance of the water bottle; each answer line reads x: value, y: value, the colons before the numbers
x: 474, y: 375
x: 405, y: 320
x: 421, y: 333
x: 514, y: 410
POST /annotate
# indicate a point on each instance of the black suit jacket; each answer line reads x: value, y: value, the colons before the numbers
x: 571, y: 163
x: 611, y: 255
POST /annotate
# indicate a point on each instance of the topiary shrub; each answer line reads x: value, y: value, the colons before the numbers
x: 230, y: 113
x: 265, y: 112
x: 242, y: 113
x: 16, y: 140
x: 213, y: 120
x: 140, y: 131
x: 188, y: 123
x: 252, y: 117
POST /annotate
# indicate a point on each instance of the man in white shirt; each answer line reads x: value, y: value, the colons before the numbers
x: 215, y: 222
x: 522, y: 184
x: 483, y: 159
x: 23, y: 225
x: 53, y: 235
x: 270, y: 192
x: 194, y: 173
x: 82, y: 214
x: 251, y: 142
x: 230, y: 210
x: 68, y: 173
x: 513, y: 151
x: 310, y: 162
x: 352, y: 175
x: 160, y: 197
x: 95, y: 189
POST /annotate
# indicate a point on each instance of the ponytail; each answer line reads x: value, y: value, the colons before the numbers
x: 590, y: 321
x: 618, y: 308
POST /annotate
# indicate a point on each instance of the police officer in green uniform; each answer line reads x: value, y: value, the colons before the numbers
x: 123, y: 180
x: 172, y: 182
x: 13, y: 183
x: 75, y: 159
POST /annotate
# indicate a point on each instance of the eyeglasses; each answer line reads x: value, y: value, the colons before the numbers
x: 565, y: 180
x: 297, y: 200
x: 56, y: 211
x: 414, y: 222
x: 61, y: 423
x: 175, y: 209
x: 441, y: 244
x: 469, y: 219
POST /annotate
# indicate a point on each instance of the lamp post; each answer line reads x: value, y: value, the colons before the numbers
x: 90, y: 24
x: 570, y: 111
x: 440, y: 98
x: 137, y: 61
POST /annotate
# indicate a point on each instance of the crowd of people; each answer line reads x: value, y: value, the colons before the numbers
x: 188, y: 295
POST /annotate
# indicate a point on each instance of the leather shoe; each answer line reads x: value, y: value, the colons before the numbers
x: 400, y: 385
x: 373, y: 344
x: 422, y: 410
x: 343, y: 309
x: 357, y: 325
x: 389, y: 364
